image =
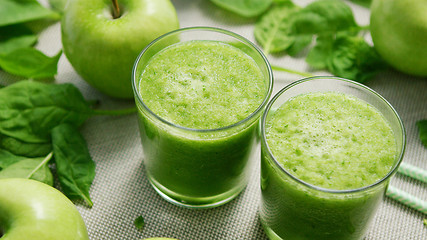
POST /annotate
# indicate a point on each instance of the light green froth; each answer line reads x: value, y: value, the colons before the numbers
x: 202, y: 85
x: 332, y: 140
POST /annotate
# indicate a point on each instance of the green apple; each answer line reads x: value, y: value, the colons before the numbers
x: 102, y: 49
x: 33, y: 210
x: 399, y: 34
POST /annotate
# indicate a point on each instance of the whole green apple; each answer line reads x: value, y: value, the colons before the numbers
x: 399, y: 34
x: 33, y: 210
x: 102, y: 49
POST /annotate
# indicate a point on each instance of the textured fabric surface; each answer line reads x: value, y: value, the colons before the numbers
x: 121, y: 191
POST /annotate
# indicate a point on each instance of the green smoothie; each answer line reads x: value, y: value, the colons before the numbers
x: 206, y: 98
x: 202, y: 85
x: 331, y: 141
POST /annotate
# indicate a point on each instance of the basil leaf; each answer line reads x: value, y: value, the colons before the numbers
x: 14, y: 37
x: 22, y: 148
x: 32, y: 168
x: 273, y: 30
x: 19, y: 11
x: 422, y: 128
x: 74, y: 165
x: 29, y: 63
x: 29, y: 110
x: 245, y: 8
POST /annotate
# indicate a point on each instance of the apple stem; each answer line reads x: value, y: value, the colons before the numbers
x: 116, y: 9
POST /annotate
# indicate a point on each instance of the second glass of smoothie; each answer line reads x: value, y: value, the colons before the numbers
x: 329, y: 148
x: 200, y: 93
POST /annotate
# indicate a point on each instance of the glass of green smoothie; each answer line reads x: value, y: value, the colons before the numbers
x: 329, y: 147
x: 200, y: 93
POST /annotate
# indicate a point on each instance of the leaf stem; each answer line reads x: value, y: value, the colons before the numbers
x: 116, y: 9
x: 42, y: 163
x: 304, y: 74
x: 116, y: 112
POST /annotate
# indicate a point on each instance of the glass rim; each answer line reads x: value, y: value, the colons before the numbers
x: 211, y: 29
x: 322, y: 189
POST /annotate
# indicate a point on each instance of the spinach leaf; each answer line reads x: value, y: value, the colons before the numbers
x: 351, y: 57
x: 58, y: 5
x: 422, y: 128
x: 346, y: 56
x: 74, y: 165
x: 324, y: 17
x: 29, y: 110
x: 29, y: 63
x: 14, y: 37
x: 31, y: 168
x: 273, y: 30
x: 364, y: 3
x: 22, y: 148
x: 19, y: 11
x: 7, y: 159
x: 245, y: 8
x: 139, y: 223
x: 12, y: 166
x: 318, y: 55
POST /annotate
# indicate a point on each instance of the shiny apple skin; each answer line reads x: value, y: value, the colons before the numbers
x: 102, y: 50
x: 399, y: 34
x: 31, y: 210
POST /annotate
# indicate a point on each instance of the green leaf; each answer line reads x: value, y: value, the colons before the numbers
x: 7, y: 159
x: 22, y: 148
x: 324, y: 17
x: 29, y: 110
x: 58, y: 5
x: 19, y: 11
x: 14, y: 37
x: 422, y: 128
x: 300, y: 42
x: 24, y: 168
x: 29, y: 63
x: 74, y: 165
x: 245, y: 8
x: 273, y: 30
x: 319, y: 54
x: 139, y: 223
x: 354, y: 59
x: 12, y: 166
x: 364, y: 3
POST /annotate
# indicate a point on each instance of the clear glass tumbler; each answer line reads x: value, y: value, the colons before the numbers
x: 199, y: 168
x: 294, y: 209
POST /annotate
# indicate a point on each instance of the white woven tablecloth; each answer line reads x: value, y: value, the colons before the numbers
x: 121, y: 192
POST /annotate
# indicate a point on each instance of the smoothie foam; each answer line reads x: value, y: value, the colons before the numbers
x: 332, y: 140
x: 202, y: 85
